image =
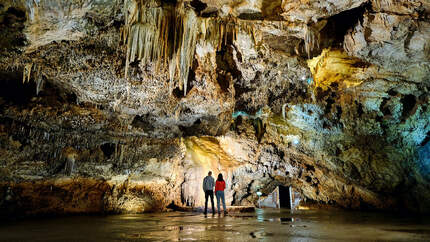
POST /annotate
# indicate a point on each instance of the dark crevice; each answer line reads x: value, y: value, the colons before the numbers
x: 360, y: 110
x: 226, y: 67
x: 199, y: 6
x: 338, y: 112
x: 194, y: 130
x: 251, y: 16
x: 310, y: 167
x: 12, y: 24
x: 384, y: 107
x: 212, y: 14
x: 426, y: 140
x: 328, y: 106
x: 18, y: 13
x: 15, y: 92
x: 326, y: 125
x: 339, y: 24
x: 259, y: 128
x: 13, y: 89
x: 392, y: 93
x: 108, y: 149
x: 224, y: 81
x: 191, y: 78
x: 178, y: 93
x: 142, y: 122
x: 408, y: 102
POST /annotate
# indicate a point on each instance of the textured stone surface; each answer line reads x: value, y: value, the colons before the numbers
x: 312, y: 10
x: 329, y: 97
x: 396, y: 42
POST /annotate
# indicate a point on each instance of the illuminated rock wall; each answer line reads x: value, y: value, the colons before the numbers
x: 124, y: 106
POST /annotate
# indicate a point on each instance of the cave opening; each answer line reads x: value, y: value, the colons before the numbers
x: 27, y: 94
x: 281, y: 197
x: 339, y: 24
x: 285, y: 197
x: 14, y: 90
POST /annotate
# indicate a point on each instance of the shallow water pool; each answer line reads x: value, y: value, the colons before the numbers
x: 267, y: 225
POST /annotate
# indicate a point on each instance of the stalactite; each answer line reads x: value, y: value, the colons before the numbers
x: 309, y: 38
x: 312, y: 36
x: 185, y: 40
x: 146, y: 32
x: 146, y: 36
x: 27, y: 72
x: 39, y: 81
x: 166, y: 36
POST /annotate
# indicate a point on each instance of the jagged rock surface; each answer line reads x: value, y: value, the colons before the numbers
x: 351, y: 79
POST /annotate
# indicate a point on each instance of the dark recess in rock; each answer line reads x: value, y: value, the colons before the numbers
x: 142, y: 122
x: 11, y: 28
x: 108, y: 149
x: 426, y: 140
x: 251, y: 16
x: 14, y: 90
x: 198, y: 5
x: 360, y: 110
x: 194, y: 130
x: 384, y: 107
x: 408, y: 103
x: 226, y: 67
x: 328, y: 106
x: 392, y: 92
x: 339, y: 24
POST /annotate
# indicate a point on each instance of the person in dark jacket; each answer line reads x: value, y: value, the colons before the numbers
x: 208, y: 188
x: 219, y: 192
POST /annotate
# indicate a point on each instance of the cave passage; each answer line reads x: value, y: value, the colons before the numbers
x: 315, y: 112
x: 284, y: 197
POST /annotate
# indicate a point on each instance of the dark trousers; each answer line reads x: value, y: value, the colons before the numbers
x: 209, y: 194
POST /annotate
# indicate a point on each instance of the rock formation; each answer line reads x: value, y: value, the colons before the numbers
x: 123, y: 106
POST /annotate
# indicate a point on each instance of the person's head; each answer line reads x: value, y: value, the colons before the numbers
x: 210, y: 173
x: 220, y: 177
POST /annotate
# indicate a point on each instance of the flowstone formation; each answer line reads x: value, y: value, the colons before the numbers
x: 124, y: 106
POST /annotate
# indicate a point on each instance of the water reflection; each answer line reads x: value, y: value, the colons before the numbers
x: 273, y: 225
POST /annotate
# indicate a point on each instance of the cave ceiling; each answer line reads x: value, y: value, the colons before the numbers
x: 330, y: 97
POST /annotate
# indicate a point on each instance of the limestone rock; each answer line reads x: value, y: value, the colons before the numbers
x: 397, y: 43
x: 311, y: 11
x: 328, y: 97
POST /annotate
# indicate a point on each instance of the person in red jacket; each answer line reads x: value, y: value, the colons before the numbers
x: 219, y: 192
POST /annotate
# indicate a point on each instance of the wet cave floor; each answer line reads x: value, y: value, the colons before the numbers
x: 263, y: 224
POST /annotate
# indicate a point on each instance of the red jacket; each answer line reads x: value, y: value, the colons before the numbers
x: 219, y: 186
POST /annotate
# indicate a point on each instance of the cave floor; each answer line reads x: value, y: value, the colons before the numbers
x: 273, y: 225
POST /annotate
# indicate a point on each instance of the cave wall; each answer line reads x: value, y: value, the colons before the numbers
x: 329, y: 98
